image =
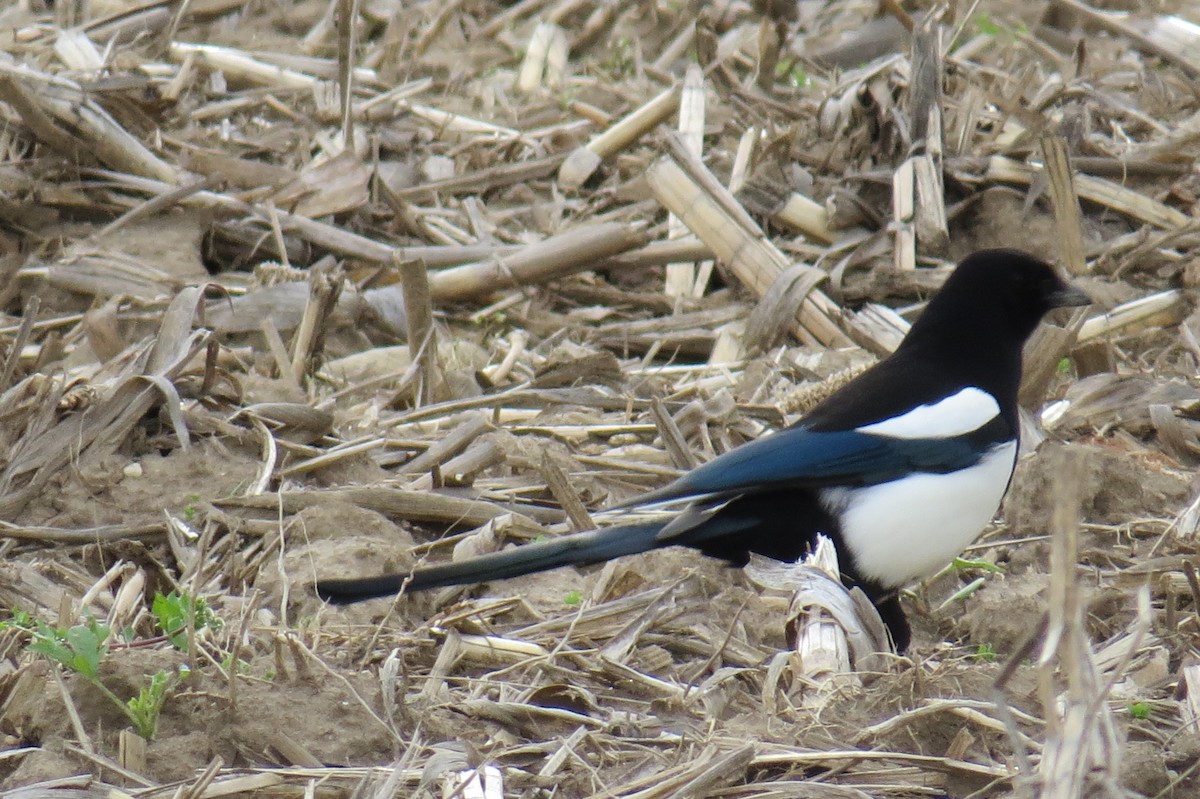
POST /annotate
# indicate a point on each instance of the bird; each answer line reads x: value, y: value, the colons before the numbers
x: 902, y: 467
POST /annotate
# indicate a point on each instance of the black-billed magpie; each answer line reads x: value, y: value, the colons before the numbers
x: 902, y: 467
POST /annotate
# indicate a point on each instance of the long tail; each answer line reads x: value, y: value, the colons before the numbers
x: 578, y: 550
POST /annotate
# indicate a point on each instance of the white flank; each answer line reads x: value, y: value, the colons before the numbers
x: 967, y: 410
x: 911, y: 527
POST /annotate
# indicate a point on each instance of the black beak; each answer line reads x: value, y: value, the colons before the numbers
x: 1067, y: 297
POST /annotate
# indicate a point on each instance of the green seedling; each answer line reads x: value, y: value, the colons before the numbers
x: 962, y: 564
x: 573, y: 598
x: 985, y: 653
x: 243, y: 666
x: 176, y: 614
x: 191, y: 508
x: 621, y: 57
x: 962, y: 593
x: 986, y: 25
x: 145, y: 708
x: 1139, y: 710
x: 793, y: 72
x: 81, y: 648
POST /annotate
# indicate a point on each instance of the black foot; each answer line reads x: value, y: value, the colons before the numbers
x: 894, y: 619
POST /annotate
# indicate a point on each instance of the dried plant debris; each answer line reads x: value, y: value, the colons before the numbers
x: 283, y: 298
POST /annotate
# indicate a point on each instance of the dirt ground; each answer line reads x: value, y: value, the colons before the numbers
x: 158, y: 440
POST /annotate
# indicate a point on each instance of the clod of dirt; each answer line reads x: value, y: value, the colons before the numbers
x: 335, y: 539
x: 1118, y: 487
x: 46, y: 763
x: 999, y: 217
x: 1181, y: 757
x: 1144, y: 768
x: 1004, y: 612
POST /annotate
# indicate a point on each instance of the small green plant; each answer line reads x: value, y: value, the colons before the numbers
x: 985, y: 653
x: 145, y: 708
x: 986, y: 25
x: 1139, y: 710
x: 1064, y: 367
x: 964, y: 564
x: 962, y: 593
x: 191, y: 508
x: 793, y: 72
x: 573, y: 598
x: 177, y: 613
x: 1005, y: 30
x: 81, y: 648
x: 243, y: 666
x: 621, y: 58
x: 563, y: 98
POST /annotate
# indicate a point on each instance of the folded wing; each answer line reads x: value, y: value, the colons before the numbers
x: 799, y: 457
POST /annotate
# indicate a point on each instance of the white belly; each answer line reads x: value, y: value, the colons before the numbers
x: 909, y: 528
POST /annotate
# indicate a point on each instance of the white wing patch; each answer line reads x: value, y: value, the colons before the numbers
x: 959, y: 413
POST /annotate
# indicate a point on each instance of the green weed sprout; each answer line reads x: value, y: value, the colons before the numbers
x: 145, y: 708
x: 81, y: 648
x: 1140, y: 710
x: 176, y: 614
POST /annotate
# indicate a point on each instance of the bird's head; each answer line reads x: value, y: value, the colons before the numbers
x: 999, y: 292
